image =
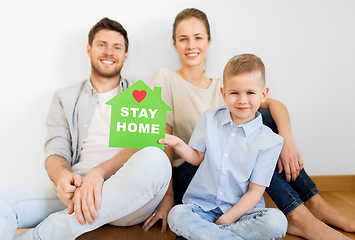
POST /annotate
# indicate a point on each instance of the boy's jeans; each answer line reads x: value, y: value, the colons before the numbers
x: 128, y: 198
x: 192, y: 222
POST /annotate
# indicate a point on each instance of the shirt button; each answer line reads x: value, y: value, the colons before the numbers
x: 224, y: 172
x: 231, y: 124
x: 226, y: 155
x: 219, y: 202
x: 85, y: 125
x: 232, y: 134
x: 93, y: 102
x: 220, y: 193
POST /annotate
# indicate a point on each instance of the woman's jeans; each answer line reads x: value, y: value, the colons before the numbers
x: 286, y: 195
x: 192, y: 222
x: 128, y: 198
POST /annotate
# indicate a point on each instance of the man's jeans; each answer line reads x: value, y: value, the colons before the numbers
x: 192, y: 222
x: 128, y: 198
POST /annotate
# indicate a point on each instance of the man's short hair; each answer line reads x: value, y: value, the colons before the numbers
x: 109, y: 24
x: 243, y: 63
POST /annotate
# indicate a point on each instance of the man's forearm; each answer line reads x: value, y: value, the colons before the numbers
x: 111, y: 166
x: 56, y: 167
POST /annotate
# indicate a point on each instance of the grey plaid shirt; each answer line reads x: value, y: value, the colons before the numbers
x: 69, y: 119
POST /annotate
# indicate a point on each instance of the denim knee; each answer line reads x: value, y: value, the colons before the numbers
x: 277, y: 224
x: 174, y: 217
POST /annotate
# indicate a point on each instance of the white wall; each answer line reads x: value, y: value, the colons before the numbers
x: 307, y: 47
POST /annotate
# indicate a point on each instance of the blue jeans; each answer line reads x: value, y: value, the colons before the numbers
x: 128, y: 198
x: 192, y: 222
x: 288, y: 195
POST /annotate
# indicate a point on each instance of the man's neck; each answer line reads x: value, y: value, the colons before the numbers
x: 102, y: 84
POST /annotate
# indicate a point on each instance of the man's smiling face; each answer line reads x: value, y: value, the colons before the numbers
x: 107, y: 53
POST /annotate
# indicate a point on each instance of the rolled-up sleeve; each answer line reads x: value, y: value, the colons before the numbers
x: 58, y: 140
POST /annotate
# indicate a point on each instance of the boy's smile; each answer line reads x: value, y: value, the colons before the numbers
x: 243, y: 94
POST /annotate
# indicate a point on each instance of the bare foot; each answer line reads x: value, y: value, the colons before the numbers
x: 324, y: 212
x: 301, y: 222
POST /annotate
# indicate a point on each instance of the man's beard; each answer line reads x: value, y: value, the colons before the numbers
x: 113, y: 73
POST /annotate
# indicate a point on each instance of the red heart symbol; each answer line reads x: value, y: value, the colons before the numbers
x: 139, y: 95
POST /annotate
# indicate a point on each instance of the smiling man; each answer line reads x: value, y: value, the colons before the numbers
x: 92, y: 184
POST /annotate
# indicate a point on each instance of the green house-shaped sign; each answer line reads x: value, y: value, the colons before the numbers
x: 138, y: 117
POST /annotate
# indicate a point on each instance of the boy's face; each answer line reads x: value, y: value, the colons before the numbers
x: 243, y: 94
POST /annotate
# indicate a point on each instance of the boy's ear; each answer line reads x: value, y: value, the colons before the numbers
x: 264, y: 94
x: 223, y: 92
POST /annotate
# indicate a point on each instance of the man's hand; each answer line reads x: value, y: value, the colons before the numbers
x: 87, y: 198
x: 66, y: 187
x: 290, y: 160
x: 161, y: 212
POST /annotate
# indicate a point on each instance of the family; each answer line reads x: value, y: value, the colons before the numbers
x: 208, y: 183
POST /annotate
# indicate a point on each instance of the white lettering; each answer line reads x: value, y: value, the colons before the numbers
x: 119, y: 126
x: 124, y: 112
x: 155, y: 128
x: 134, y: 111
x: 143, y: 113
x: 134, y: 127
x: 143, y: 128
x: 153, y: 112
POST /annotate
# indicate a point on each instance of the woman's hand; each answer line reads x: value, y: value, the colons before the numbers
x: 290, y: 160
x: 161, y: 212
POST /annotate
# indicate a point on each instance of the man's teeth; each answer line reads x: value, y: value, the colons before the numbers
x: 192, y: 54
x: 107, y: 61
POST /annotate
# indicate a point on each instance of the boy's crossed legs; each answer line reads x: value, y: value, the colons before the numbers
x: 192, y: 222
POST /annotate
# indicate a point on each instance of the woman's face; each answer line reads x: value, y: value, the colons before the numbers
x: 191, y: 42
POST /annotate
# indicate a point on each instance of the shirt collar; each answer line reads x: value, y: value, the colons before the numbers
x: 248, y: 127
x: 91, y: 90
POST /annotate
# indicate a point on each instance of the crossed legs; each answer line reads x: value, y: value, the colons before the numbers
x: 128, y: 197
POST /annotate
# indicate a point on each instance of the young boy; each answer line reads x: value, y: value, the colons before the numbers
x: 237, y: 156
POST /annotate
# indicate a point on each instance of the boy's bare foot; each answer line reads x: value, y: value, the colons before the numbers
x: 324, y: 212
x: 301, y: 222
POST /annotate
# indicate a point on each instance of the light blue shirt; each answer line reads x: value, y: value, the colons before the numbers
x: 234, y: 156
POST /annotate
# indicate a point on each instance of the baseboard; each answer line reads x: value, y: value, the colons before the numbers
x: 335, y: 183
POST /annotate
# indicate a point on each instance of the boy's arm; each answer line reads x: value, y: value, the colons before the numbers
x: 186, y: 152
x: 290, y: 158
x: 247, y: 202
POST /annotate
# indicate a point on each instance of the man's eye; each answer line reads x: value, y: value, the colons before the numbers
x: 234, y: 92
x: 250, y: 93
x: 183, y: 39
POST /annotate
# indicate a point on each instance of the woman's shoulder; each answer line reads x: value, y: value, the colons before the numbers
x: 163, y: 75
x: 164, y: 72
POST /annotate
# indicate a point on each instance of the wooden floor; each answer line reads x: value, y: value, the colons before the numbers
x: 343, y: 201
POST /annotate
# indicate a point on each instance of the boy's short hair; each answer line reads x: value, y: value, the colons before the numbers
x: 243, y: 63
x: 108, y: 24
